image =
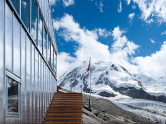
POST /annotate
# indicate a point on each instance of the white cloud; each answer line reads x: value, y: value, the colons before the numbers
x: 153, y: 65
x: 131, y: 16
x: 120, y: 7
x: 89, y: 46
x: 128, y: 1
x: 149, y: 21
x: 133, y: 6
x: 68, y: 2
x: 87, y: 41
x: 121, y: 43
x: 102, y: 32
x: 163, y: 33
x: 152, y: 8
x: 152, y: 41
x: 53, y: 2
x: 101, y: 6
x: 121, y: 52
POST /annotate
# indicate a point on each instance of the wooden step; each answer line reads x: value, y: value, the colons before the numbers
x: 60, y: 122
x: 66, y: 107
x: 64, y: 111
x: 63, y: 118
x: 64, y: 114
x: 60, y: 105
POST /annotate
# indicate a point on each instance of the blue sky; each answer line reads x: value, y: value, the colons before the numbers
x: 137, y: 22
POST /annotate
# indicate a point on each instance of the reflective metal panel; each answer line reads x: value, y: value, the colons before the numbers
x: 16, y: 46
x: 28, y: 105
x: 28, y: 54
x: 8, y: 38
x: 2, y: 106
x: 23, y: 80
x: 33, y: 85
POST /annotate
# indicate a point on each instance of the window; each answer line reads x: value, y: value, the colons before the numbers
x: 13, y: 97
x: 34, y: 20
x: 40, y: 33
x: 15, y: 4
x: 52, y: 57
x: 16, y: 46
x: 55, y: 63
x: 45, y: 43
x: 48, y: 50
x: 25, y: 12
x: 8, y: 38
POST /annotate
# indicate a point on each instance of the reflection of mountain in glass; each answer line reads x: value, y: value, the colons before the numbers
x: 12, y: 96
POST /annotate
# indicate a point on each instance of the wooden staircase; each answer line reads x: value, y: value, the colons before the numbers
x: 65, y: 108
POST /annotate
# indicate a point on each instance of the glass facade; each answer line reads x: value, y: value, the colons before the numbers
x: 45, y: 43
x: 40, y: 33
x: 34, y: 20
x: 25, y: 10
x: 28, y: 51
x: 13, y: 100
x: 16, y: 5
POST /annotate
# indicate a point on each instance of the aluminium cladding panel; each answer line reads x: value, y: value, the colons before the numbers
x: 23, y: 79
x: 37, y: 87
x: 2, y: 82
x: 8, y: 37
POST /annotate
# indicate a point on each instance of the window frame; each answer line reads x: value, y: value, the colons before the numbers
x: 18, y: 80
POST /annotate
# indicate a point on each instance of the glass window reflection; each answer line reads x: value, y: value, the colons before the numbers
x: 34, y: 20
x: 48, y: 50
x: 12, y: 86
x: 45, y: 44
x: 16, y: 5
x: 25, y: 12
x: 54, y: 63
x: 8, y: 38
x: 40, y: 33
x: 52, y: 57
x: 16, y: 44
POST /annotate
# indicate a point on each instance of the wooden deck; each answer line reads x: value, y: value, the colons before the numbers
x: 65, y: 108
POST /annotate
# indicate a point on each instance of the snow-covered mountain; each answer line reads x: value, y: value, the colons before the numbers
x: 133, y: 92
x: 110, y: 80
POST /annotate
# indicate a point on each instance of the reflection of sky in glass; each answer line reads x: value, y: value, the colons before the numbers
x: 15, y: 4
x: 54, y: 63
x: 28, y: 55
x: 45, y: 44
x: 1, y: 46
x: 52, y: 57
x: 40, y: 33
x: 22, y: 49
x: 48, y: 50
x: 34, y: 20
x: 25, y: 12
x: 16, y: 44
x: 8, y: 38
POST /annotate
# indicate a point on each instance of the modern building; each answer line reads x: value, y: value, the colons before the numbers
x: 28, y: 60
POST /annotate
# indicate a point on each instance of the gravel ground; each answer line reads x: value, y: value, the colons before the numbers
x: 106, y: 112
